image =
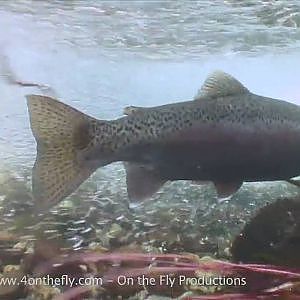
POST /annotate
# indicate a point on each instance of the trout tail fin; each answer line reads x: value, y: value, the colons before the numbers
x: 61, y: 133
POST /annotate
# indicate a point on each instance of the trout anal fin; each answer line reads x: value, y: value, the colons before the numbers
x: 227, y: 189
x: 142, y: 181
x: 294, y: 182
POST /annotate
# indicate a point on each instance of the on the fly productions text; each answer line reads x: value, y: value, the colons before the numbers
x: 171, y: 281
x: 122, y: 280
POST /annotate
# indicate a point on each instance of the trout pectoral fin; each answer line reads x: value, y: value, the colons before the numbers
x: 142, y: 181
x: 226, y: 189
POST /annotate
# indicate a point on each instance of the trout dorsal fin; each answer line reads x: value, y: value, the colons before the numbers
x: 220, y: 84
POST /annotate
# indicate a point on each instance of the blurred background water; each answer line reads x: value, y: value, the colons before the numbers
x: 100, y: 56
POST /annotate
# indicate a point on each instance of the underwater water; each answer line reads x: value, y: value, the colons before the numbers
x: 100, y: 56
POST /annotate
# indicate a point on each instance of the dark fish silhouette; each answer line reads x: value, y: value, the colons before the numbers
x: 226, y: 135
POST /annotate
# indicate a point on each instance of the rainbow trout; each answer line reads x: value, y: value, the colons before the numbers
x: 226, y: 135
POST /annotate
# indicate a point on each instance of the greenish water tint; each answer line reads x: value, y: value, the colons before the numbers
x: 100, y: 56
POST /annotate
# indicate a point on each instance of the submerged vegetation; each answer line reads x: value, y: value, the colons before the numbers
x: 97, y: 235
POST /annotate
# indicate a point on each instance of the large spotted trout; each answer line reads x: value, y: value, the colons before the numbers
x: 225, y: 135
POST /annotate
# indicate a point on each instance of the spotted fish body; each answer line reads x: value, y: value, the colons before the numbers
x: 226, y: 135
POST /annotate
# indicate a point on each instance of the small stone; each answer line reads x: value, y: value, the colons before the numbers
x: 10, y: 268
x: 12, y: 291
x: 6, y: 236
x: 115, y: 231
x: 97, y: 247
x: 44, y: 292
x: 21, y: 245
